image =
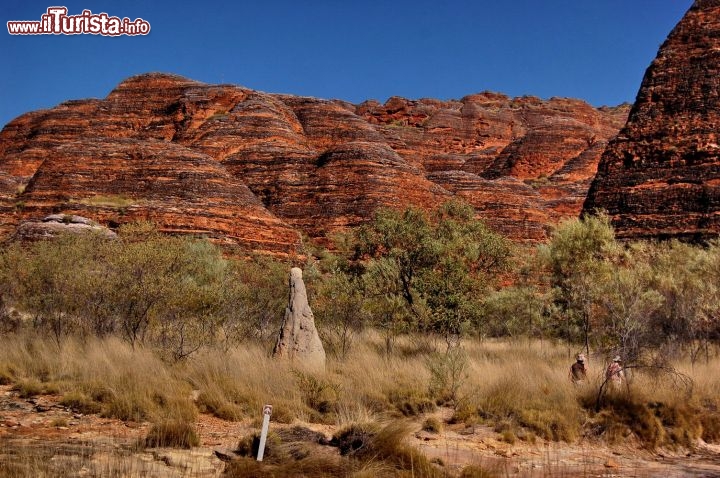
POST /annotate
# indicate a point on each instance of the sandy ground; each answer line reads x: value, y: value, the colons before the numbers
x: 38, y: 432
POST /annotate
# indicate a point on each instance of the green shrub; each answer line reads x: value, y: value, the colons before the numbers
x: 448, y: 372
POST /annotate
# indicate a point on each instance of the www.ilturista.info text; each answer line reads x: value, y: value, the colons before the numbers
x: 57, y: 22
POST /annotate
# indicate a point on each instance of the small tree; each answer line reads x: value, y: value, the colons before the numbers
x: 435, y: 265
x: 686, y: 277
x: 193, y: 309
x: 513, y: 312
x: 626, y: 305
x: 579, y: 254
x: 340, y: 309
x: 42, y: 280
x: 256, y: 294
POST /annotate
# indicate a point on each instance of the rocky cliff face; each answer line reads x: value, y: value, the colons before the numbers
x: 661, y: 176
x: 257, y: 169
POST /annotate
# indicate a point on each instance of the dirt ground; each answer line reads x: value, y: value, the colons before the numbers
x: 39, y: 434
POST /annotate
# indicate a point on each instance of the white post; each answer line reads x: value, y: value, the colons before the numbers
x: 267, y: 411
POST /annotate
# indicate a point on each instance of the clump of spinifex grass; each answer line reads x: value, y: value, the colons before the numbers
x: 80, y: 402
x: 432, y: 425
x: 396, y: 384
x: 105, y: 376
x: 706, y: 395
x: 388, y: 445
x: 657, y: 409
x: 172, y: 433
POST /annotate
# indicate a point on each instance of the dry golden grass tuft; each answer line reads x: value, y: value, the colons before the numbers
x: 172, y: 433
x: 520, y: 385
x: 80, y: 402
x: 113, y: 201
x: 432, y: 425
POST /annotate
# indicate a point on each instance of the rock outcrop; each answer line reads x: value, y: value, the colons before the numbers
x: 661, y: 176
x: 298, y: 340
x: 56, y: 224
x: 259, y: 169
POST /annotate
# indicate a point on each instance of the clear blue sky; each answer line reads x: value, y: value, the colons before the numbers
x: 596, y: 50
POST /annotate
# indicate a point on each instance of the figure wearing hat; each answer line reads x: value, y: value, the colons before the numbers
x: 578, y: 370
x: 614, y: 373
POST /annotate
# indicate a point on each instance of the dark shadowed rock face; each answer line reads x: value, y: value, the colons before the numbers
x: 661, y: 176
x: 258, y: 169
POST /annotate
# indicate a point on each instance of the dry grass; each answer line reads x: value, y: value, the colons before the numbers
x: 112, y: 201
x: 172, y: 433
x: 237, y: 384
x: 80, y: 402
x: 520, y: 389
x: 432, y: 425
x: 366, y: 450
x: 706, y: 396
x: 388, y: 445
x: 474, y: 471
x: 51, y: 459
x: 99, y: 375
x: 398, y: 384
x: 320, y: 467
x: 661, y: 409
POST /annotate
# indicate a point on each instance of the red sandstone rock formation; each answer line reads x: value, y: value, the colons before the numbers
x: 661, y: 176
x: 258, y: 169
x: 523, y: 163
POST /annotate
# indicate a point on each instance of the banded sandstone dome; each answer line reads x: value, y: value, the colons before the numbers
x: 661, y: 176
x: 257, y: 169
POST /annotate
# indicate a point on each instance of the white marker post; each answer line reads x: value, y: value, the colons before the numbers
x: 267, y: 411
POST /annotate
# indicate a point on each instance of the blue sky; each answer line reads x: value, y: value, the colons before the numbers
x: 596, y: 50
